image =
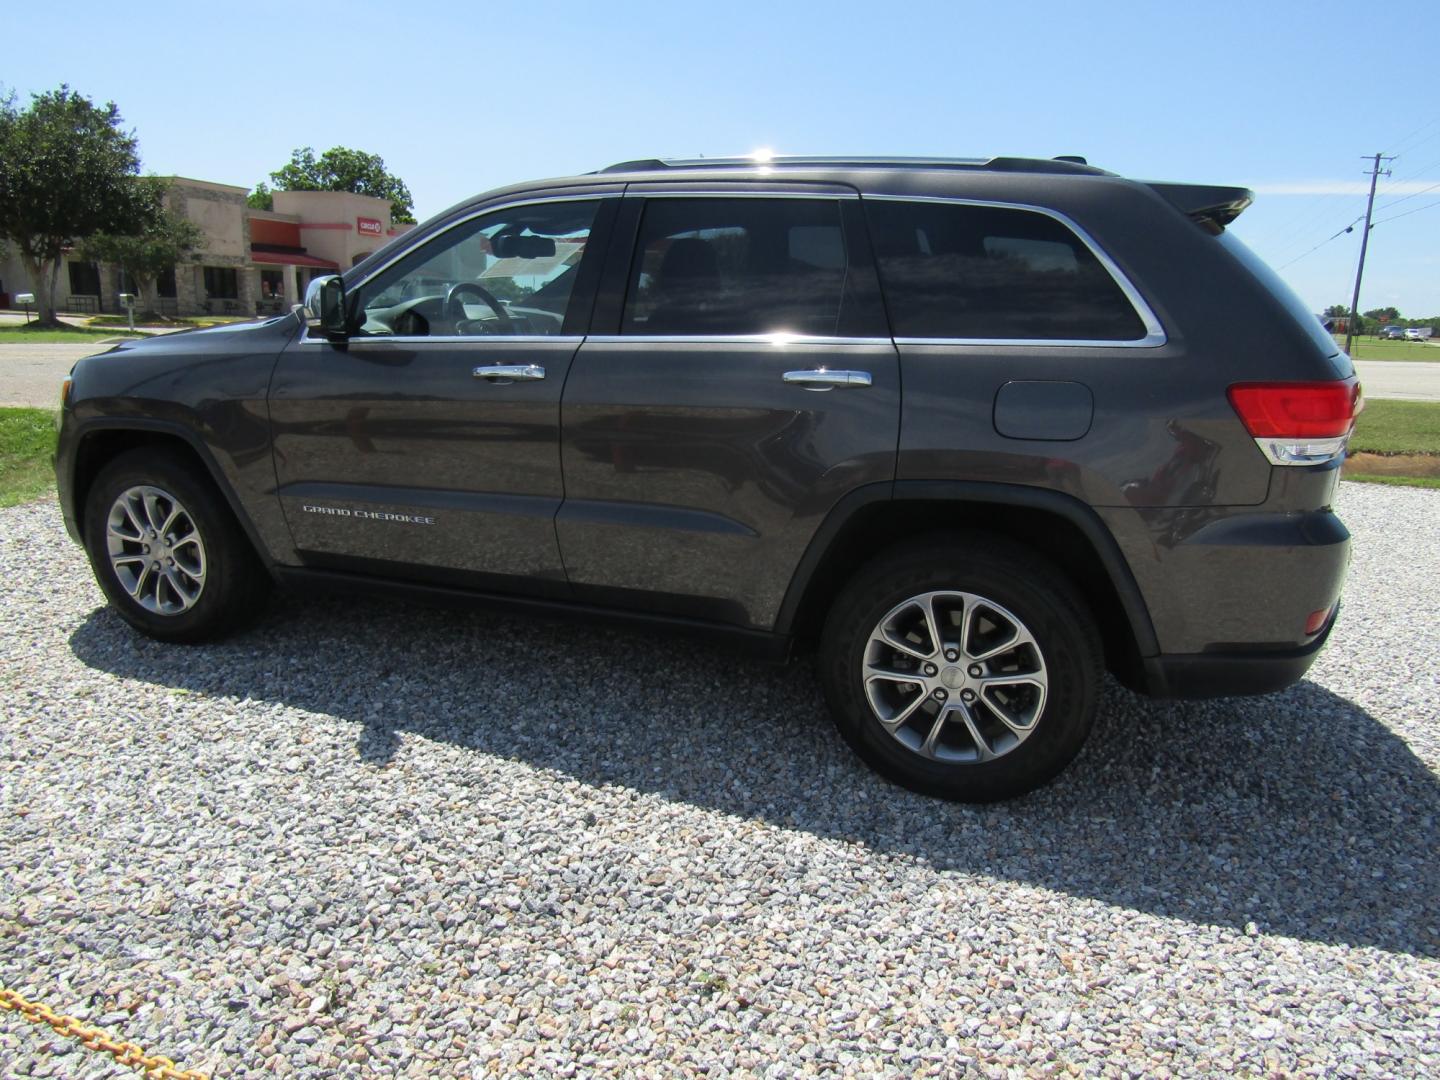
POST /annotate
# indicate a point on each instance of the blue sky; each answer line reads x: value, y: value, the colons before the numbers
x: 1284, y: 97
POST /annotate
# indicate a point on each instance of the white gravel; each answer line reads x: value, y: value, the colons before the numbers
x: 377, y: 840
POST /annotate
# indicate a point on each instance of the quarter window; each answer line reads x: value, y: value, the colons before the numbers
x: 717, y: 266
x: 507, y: 273
x: 958, y: 271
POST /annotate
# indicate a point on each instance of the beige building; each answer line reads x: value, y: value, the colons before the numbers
x: 250, y: 262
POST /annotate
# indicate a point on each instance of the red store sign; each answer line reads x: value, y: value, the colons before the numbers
x: 369, y: 226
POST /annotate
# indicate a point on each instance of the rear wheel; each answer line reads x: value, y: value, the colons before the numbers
x: 962, y: 667
x: 166, y: 550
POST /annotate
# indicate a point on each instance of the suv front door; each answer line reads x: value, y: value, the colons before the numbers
x: 427, y: 444
x: 738, y: 382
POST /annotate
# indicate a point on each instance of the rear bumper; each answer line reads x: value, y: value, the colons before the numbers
x: 1229, y: 674
x: 1233, y: 581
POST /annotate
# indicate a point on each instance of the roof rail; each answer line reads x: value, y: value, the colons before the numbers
x: 1066, y: 164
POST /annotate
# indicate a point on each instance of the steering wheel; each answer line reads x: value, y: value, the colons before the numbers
x: 455, y: 307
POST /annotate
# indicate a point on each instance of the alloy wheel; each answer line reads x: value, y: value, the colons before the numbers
x: 955, y: 677
x: 155, y: 550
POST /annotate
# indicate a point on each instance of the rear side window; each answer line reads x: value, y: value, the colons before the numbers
x: 717, y: 266
x: 958, y: 271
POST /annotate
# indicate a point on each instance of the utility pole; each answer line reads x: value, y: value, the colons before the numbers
x: 1364, y: 243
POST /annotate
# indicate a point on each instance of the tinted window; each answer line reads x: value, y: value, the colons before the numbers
x: 954, y: 271
x: 740, y: 266
x: 509, y: 273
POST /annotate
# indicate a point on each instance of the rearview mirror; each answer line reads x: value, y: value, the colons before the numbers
x: 325, y: 306
x: 522, y: 247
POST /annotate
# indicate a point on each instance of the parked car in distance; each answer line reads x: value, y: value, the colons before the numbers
x: 1392, y: 333
x: 968, y: 430
x: 1414, y: 333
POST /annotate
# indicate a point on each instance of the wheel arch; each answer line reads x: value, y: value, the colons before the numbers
x: 99, y: 442
x: 1056, y: 525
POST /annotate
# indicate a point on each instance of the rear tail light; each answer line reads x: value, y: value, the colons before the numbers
x: 1299, y: 423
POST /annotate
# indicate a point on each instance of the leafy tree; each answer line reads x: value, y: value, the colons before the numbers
x: 338, y: 169
x: 1383, y: 314
x: 1337, y: 311
x: 262, y: 198
x: 166, y: 240
x: 67, y: 172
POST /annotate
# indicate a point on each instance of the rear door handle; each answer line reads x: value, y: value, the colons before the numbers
x: 822, y: 379
x: 504, y: 373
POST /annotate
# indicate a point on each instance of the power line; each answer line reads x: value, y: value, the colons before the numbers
x: 1407, y: 213
x: 1410, y: 175
x: 1407, y: 198
x: 1317, y: 247
x: 1395, y: 150
x: 1295, y: 226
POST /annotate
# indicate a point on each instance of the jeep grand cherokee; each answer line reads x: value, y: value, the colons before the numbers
x: 977, y: 430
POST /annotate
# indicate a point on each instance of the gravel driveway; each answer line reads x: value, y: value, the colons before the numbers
x: 375, y: 840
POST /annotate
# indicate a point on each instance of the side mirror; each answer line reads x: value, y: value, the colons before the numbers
x: 325, y: 306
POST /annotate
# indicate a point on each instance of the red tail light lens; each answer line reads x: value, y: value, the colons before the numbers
x: 1297, y: 410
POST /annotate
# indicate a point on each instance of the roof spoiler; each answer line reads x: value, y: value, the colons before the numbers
x: 1210, y: 206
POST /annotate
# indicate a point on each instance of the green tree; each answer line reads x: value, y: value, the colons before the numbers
x: 1337, y: 311
x: 262, y: 198
x: 1383, y: 314
x: 338, y: 169
x: 67, y: 171
x: 166, y: 240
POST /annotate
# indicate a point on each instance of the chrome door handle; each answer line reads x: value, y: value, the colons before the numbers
x: 504, y: 373
x: 822, y: 379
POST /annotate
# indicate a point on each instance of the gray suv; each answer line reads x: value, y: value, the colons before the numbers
x: 974, y: 431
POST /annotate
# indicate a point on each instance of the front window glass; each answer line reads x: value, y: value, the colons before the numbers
x: 717, y: 266
x: 507, y: 273
x: 983, y: 272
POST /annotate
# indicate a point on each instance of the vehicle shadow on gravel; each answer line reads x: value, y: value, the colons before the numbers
x: 1298, y: 813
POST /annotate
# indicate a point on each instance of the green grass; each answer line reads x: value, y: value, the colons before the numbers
x: 21, y: 334
x: 1374, y: 349
x: 27, y: 439
x: 1396, y: 481
x: 1398, y: 427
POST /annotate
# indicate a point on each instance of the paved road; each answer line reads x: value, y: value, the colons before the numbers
x: 1406, y: 380
x: 31, y: 374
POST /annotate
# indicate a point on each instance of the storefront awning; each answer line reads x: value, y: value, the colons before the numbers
x: 285, y: 258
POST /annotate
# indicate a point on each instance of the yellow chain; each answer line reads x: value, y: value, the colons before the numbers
x: 92, y: 1038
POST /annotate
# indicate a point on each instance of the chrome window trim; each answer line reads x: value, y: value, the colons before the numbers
x: 1154, y: 332
x: 778, y: 341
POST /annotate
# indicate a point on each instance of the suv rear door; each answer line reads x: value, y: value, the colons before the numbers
x: 738, y: 381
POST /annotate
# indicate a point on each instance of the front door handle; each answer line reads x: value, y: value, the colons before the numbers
x: 823, y: 379
x: 505, y: 373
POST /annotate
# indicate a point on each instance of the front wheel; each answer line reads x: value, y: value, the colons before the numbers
x: 964, y: 668
x: 166, y: 550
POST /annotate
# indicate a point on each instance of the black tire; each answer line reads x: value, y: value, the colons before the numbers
x: 1030, y: 588
x: 235, y: 584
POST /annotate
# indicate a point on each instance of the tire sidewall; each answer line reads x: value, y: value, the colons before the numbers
x: 1043, y: 601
